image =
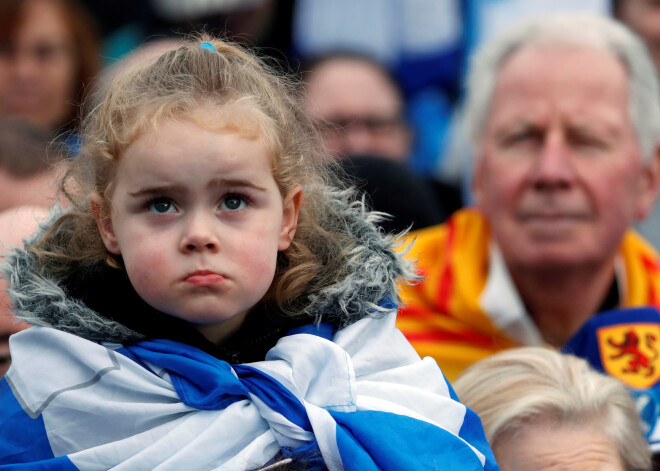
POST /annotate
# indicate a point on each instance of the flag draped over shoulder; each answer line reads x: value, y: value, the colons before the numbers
x: 360, y: 399
x: 449, y: 316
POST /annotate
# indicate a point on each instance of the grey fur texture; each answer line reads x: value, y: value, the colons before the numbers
x: 370, y: 276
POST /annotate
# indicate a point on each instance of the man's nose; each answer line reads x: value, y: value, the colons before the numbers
x: 25, y: 66
x: 199, y: 233
x: 553, y: 167
x: 358, y: 139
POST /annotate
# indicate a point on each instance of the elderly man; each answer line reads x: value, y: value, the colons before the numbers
x: 564, y: 118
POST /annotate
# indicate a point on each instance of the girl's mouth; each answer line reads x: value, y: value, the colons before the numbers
x: 204, y: 278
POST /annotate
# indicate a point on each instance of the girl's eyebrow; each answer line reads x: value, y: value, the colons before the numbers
x: 177, y: 188
x: 157, y: 190
x: 235, y: 182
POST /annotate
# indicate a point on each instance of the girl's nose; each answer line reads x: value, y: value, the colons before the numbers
x: 199, y: 235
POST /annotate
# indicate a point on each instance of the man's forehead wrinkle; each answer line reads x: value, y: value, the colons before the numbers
x: 534, y: 95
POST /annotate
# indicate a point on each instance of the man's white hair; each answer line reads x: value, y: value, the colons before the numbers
x: 578, y: 30
x: 517, y: 388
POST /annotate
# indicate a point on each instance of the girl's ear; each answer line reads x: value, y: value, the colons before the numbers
x: 291, y: 209
x: 104, y: 223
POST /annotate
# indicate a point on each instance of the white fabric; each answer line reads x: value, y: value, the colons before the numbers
x: 502, y: 304
x: 140, y: 423
x: 385, y: 29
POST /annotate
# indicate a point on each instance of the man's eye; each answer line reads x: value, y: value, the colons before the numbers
x: 233, y: 203
x: 161, y: 206
x: 587, y: 142
x: 522, y: 136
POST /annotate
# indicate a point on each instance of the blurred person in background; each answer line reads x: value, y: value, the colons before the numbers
x: 418, y: 42
x: 547, y: 411
x: 127, y: 24
x: 564, y: 117
x: 643, y: 17
x: 359, y: 106
x: 29, y: 165
x: 28, y: 187
x: 49, y: 54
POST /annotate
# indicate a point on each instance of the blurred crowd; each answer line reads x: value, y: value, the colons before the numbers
x: 524, y: 159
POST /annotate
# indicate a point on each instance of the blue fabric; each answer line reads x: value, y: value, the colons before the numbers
x: 584, y: 343
x: 648, y: 406
x: 204, y: 382
x: 23, y: 439
x: 373, y: 440
x: 429, y: 112
x: 32, y: 434
x: 274, y: 395
x: 472, y: 432
x: 209, y: 383
x: 201, y: 380
x: 72, y: 143
x: 441, y: 70
x: 56, y: 464
x: 388, y: 304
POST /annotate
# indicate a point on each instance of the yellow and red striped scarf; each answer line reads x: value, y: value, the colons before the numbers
x: 442, y: 316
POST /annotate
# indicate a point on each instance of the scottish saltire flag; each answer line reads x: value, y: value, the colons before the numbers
x: 360, y: 399
x: 625, y: 343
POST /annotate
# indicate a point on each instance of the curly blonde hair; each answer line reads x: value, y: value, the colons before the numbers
x: 262, y: 102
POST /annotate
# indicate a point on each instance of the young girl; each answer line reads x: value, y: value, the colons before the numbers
x: 209, y: 301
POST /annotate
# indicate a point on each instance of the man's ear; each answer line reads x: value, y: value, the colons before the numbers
x: 104, y: 223
x: 649, y: 185
x: 291, y: 209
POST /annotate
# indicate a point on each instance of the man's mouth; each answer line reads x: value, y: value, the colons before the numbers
x: 550, y: 216
x: 22, y: 102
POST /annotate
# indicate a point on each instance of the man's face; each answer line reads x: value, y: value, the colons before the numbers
x: 559, y: 175
x: 359, y: 109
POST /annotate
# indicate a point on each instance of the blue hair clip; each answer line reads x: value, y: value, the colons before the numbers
x: 208, y: 46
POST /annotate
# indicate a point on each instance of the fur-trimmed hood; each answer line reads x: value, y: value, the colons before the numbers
x: 374, y: 270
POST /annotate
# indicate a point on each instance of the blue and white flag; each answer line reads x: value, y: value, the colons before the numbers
x: 361, y: 400
x: 625, y: 344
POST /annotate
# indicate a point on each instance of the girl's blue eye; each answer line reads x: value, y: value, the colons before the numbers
x: 161, y: 206
x: 233, y: 203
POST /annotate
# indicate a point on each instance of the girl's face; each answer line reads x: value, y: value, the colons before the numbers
x: 37, y: 72
x: 198, y: 220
